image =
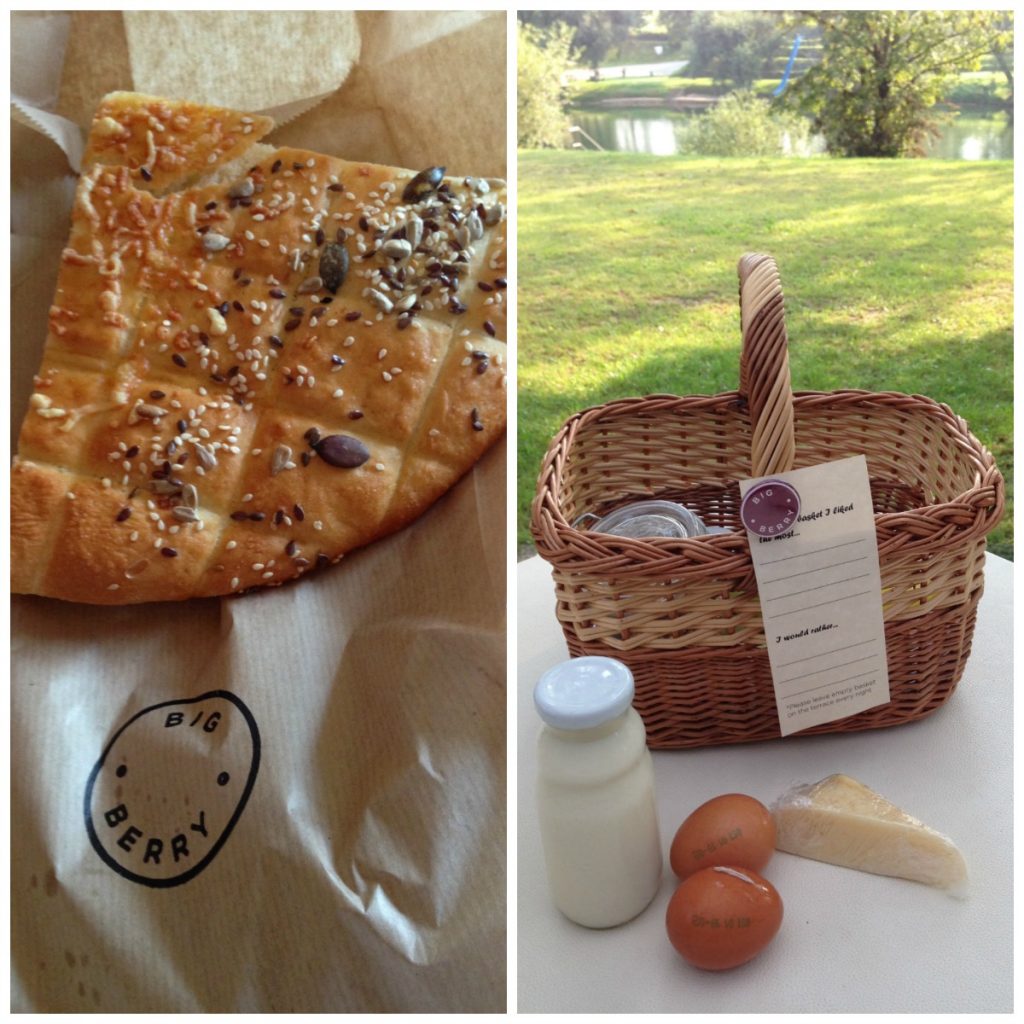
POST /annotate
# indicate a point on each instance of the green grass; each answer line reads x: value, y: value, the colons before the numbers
x: 898, y: 277
x: 980, y: 90
x: 661, y: 87
x: 976, y: 89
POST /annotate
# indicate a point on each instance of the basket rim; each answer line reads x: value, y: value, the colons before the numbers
x: 701, y: 554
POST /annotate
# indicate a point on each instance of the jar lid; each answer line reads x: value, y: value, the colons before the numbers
x: 654, y: 518
x: 583, y: 692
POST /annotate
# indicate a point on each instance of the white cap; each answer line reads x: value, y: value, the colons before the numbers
x: 583, y: 692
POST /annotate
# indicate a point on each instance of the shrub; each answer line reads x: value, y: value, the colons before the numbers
x: 742, y: 124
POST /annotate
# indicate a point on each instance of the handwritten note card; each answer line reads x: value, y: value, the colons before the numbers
x: 821, y: 598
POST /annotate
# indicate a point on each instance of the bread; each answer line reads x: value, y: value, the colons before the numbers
x: 258, y: 359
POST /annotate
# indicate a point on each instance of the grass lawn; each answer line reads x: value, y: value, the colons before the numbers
x: 586, y: 94
x: 983, y: 89
x: 898, y: 277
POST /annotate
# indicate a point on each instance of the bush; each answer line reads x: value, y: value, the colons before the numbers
x: 742, y: 124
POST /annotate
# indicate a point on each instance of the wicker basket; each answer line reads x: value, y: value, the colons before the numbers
x: 684, y: 614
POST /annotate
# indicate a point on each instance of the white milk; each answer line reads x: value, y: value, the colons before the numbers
x: 595, y: 794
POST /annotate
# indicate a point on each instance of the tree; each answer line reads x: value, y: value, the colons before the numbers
x: 543, y: 56
x: 595, y: 33
x: 732, y: 46
x: 1002, y: 46
x: 882, y: 72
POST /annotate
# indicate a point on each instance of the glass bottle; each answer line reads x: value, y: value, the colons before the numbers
x: 595, y: 793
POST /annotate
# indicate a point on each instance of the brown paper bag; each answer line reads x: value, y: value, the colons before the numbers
x: 293, y: 800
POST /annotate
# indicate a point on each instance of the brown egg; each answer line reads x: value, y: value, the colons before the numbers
x: 731, y: 829
x: 722, y: 917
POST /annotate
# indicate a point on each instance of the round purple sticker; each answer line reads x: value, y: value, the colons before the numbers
x: 770, y: 508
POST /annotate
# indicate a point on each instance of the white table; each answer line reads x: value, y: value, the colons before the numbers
x: 850, y: 941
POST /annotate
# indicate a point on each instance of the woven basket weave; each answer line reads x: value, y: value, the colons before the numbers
x: 684, y: 615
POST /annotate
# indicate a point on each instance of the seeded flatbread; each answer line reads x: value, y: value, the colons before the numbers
x: 258, y: 359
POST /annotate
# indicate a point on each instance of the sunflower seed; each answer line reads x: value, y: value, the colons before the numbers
x: 475, y: 226
x: 280, y: 459
x: 414, y: 230
x: 212, y: 242
x: 164, y: 487
x: 397, y: 248
x: 150, y: 412
x: 190, y: 496
x: 495, y: 214
x: 310, y: 285
x: 218, y: 325
x: 206, y: 457
x: 242, y: 190
x: 184, y: 514
x: 381, y: 301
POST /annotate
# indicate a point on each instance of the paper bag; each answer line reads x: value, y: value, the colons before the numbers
x: 292, y: 800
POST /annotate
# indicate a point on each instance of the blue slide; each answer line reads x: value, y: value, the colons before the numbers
x: 781, y: 87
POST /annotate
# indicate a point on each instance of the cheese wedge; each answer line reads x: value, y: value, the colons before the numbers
x: 841, y: 821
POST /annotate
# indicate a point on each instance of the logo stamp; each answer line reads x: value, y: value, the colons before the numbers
x: 171, y: 785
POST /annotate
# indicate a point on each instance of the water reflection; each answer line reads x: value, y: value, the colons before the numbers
x: 664, y: 133
x: 657, y: 136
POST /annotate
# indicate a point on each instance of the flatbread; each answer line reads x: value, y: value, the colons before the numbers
x: 258, y: 359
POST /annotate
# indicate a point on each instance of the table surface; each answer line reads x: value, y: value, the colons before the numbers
x: 850, y: 941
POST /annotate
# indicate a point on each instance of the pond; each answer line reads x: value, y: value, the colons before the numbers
x: 652, y: 130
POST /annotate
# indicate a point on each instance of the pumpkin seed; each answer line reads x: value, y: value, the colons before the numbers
x: 342, y: 451
x: 333, y: 266
x: 423, y: 184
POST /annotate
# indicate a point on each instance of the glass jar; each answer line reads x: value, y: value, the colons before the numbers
x: 595, y: 794
x: 654, y: 518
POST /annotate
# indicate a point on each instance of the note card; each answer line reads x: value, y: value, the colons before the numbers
x: 821, y: 597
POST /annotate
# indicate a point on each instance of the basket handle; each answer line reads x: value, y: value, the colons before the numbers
x: 764, y: 366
